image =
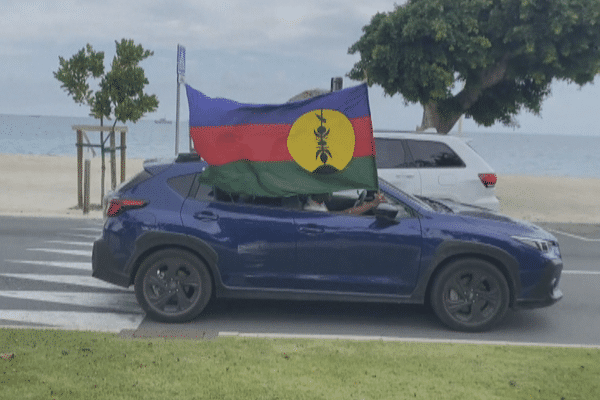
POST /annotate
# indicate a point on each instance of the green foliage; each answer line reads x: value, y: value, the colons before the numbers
x: 74, y: 73
x: 486, y: 58
x: 121, y: 89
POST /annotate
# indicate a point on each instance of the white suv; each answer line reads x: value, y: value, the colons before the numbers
x: 438, y: 166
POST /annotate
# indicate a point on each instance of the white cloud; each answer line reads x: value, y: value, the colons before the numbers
x: 261, y: 52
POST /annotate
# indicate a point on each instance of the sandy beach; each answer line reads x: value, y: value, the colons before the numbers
x: 35, y: 185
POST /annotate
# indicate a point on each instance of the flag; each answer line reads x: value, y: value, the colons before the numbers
x: 318, y: 145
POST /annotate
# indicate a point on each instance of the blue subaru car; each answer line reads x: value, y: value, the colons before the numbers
x: 180, y: 242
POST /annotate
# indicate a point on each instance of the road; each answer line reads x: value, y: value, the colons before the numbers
x: 45, y: 278
x: 45, y: 281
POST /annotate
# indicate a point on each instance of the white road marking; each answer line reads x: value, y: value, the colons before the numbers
x: 83, y: 321
x: 124, y: 302
x: 83, y: 236
x: 90, y: 244
x: 99, y: 229
x: 573, y: 272
x: 122, y: 309
x: 60, y: 264
x: 84, y: 253
x: 68, y: 279
x: 574, y: 236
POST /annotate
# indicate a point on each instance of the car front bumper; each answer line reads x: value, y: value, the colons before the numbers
x: 546, y: 292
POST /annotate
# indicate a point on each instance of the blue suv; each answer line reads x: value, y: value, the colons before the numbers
x: 181, y: 241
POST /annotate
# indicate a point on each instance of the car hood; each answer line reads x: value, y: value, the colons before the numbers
x: 494, y: 220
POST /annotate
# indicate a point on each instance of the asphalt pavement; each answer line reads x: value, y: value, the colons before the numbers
x: 45, y: 281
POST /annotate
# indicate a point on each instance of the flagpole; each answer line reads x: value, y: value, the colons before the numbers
x: 180, y: 79
x: 177, y: 121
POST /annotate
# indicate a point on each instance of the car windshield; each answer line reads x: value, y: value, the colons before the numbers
x: 398, y: 192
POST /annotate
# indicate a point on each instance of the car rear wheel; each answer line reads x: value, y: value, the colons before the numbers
x: 173, y: 285
x: 470, y: 295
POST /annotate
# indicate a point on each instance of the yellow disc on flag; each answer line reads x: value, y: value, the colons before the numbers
x: 322, y: 141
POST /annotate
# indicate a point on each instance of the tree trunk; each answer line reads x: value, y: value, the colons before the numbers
x: 443, y: 122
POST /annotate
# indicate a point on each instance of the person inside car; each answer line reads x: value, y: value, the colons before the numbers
x: 316, y: 202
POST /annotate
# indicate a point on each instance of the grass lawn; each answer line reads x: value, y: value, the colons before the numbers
x: 52, y: 364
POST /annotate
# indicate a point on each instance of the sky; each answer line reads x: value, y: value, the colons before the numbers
x: 253, y: 52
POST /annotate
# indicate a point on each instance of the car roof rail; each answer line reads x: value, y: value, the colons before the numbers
x: 187, y: 157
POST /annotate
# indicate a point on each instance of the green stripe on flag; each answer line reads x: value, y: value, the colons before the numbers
x: 287, y: 178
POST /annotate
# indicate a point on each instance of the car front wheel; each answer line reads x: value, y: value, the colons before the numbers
x: 470, y: 295
x: 173, y: 285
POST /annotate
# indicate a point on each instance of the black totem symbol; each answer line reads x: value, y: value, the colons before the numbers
x: 321, y: 135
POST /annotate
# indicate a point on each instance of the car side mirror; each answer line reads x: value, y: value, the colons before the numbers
x: 386, y: 213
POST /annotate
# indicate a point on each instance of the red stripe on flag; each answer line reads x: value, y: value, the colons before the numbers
x: 363, y: 131
x: 220, y: 145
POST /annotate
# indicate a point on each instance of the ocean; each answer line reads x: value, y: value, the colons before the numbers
x: 507, y: 153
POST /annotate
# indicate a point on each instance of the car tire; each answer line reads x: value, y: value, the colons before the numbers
x: 470, y: 295
x: 173, y: 285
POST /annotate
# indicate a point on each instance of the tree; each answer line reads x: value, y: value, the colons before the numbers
x: 75, y: 72
x: 121, y: 91
x: 487, y: 59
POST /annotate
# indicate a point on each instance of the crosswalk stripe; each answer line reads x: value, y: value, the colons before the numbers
x: 82, y: 235
x: 60, y: 264
x: 64, y: 251
x: 575, y: 272
x: 90, y: 244
x: 78, y: 280
x: 92, y: 321
x: 123, y: 302
x: 117, y: 305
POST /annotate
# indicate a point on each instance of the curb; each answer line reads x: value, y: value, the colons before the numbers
x: 398, y: 339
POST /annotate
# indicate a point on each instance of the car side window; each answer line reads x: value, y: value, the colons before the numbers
x: 205, y: 193
x: 390, y: 154
x: 429, y: 154
x: 182, y: 184
x: 209, y: 193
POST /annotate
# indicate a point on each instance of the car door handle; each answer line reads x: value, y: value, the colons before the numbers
x: 311, y: 230
x: 405, y: 176
x: 206, y: 216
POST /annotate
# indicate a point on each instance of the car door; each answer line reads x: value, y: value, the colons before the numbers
x: 352, y: 253
x: 393, y: 165
x: 256, y: 244
x: 439, y: 167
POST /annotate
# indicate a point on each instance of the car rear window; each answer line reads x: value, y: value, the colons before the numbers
x: 429, y: 154
x: 390, y: 154
x: 182, y: 184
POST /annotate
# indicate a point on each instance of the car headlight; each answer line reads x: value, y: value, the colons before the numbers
x: 545, y: 246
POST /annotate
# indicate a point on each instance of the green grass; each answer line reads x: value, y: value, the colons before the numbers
x: 50, y: 364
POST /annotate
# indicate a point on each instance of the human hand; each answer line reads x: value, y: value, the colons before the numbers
x: 379, y: 198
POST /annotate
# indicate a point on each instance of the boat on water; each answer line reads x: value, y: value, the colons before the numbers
x: 162, y: 121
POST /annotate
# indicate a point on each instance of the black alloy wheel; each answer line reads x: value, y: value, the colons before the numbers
x: 173, y: 285
x: 470, y: 295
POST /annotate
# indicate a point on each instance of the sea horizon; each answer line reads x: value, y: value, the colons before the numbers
x: 509, y: 153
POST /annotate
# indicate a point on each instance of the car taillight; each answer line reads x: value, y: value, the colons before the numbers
x: 488, y: 180
x: 118, y: 206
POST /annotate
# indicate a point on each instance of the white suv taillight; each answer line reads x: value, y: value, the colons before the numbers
x: 118, y: 206
x: 488, y: 180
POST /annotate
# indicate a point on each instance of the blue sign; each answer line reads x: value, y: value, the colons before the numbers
x: 180, y: 60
